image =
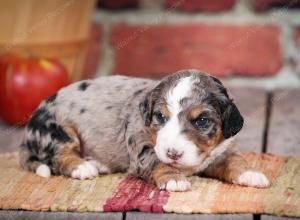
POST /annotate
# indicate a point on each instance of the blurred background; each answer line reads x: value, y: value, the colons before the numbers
x: 252, y: 45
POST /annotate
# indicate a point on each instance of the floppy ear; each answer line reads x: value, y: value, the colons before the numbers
x: 232, y: 120
x: 146, y: 108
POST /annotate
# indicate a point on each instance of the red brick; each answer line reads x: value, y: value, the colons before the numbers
x: 295, y: 59
x: 200, y: 5
x: 262, y: 5
x: 118, y: 4
x: 93, y: 52
x: 222, y: 50
x: 297, y: 37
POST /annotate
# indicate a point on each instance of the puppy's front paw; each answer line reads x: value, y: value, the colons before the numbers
x: 253, y: 178
x: 86, y: 170
x: 176, y: 185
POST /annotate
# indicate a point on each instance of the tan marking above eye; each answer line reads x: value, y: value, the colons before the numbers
x: 195, y: 112
x: 164, y: 111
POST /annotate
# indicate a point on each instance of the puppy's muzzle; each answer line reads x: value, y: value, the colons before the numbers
x: 174, y: 154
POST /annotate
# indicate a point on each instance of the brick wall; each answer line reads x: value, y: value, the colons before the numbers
x: 248, y: 39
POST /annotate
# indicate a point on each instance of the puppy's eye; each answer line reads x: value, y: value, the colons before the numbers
x: 202, y: 122
x: 159, y: 118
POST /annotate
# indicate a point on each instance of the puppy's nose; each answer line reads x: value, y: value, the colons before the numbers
x: 174, y: 154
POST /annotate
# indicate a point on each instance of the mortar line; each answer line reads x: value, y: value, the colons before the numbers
x: 107, y: 53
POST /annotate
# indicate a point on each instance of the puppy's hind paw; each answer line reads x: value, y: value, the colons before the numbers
x: 85, y: 170
x: 253, y: 179
x: 176, y: 185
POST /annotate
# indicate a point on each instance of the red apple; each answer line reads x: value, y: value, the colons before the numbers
x: 25, y: 82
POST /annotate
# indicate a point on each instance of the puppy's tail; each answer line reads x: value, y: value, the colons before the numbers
x: 39, y: 142
x: 29, y: 162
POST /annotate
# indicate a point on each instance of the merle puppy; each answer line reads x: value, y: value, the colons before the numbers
x: 161, y: 131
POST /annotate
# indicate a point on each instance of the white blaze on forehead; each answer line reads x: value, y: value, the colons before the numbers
x: 180, y: 91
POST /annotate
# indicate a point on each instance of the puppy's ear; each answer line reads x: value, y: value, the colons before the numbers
x: 146, y: 109
x: 232, y: 120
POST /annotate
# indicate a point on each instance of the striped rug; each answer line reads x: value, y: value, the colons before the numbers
x: 118, y: 192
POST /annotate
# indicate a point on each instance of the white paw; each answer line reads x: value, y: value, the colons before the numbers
x: 254, y: 179
x: 85, y: 170
x: 43, y: 171
x: 176, y: 185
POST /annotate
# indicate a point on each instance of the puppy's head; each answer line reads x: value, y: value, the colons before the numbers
x: 191, y: 116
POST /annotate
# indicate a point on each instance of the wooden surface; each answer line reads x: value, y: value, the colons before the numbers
x: 284, y: 127
x: 283, y: 138
x: 268, y: 217
x: 10, y: 137
x: 28, y: 215
x: 252, y: 105
x: 146, y: 216
x: 284, y: 132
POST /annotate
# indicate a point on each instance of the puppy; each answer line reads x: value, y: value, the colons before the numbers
x: 161, y: 131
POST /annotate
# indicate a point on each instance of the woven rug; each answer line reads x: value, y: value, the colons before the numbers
x: 118, y: 192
